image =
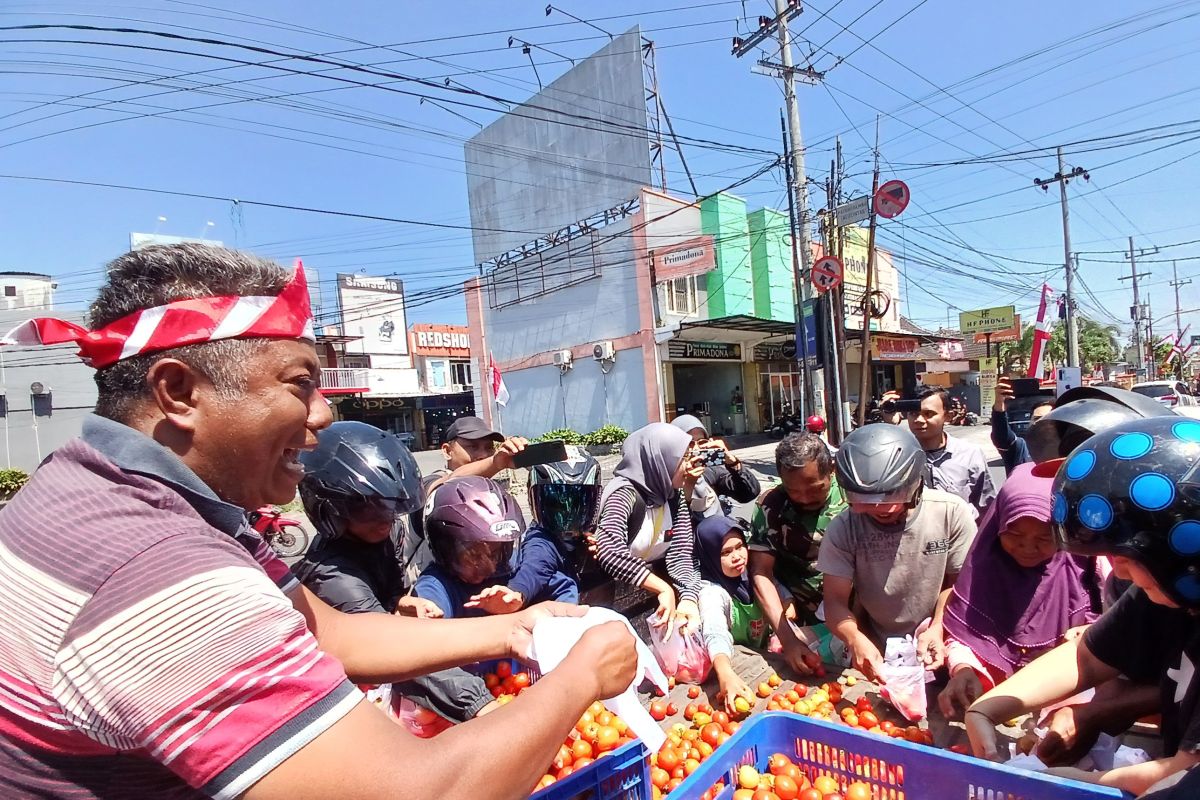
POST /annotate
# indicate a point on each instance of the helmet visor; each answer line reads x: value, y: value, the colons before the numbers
x: 902, y: 496
x: 563, y: 508
x: 475, y: 562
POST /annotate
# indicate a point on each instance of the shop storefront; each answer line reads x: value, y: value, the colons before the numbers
x: 780, y: 382
x: 705, y: 379
x: 393, y: 414
x: 438, y: 412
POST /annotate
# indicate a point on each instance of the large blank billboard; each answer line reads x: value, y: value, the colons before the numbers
x: 576, y: 148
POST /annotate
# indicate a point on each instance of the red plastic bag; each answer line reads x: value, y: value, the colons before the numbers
x: 416, y: 719
x: 683, y: 657
x: 904, y: 688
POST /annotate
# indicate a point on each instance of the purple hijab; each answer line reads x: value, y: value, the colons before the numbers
x: 1008, y: 614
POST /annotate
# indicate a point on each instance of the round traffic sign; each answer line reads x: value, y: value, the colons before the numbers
x: 827, y: 273
x: 891, y: 199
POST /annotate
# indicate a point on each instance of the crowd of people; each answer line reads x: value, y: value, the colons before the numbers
x: 155, y: 647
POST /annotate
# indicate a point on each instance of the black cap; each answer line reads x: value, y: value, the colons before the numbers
x: 472, y: 428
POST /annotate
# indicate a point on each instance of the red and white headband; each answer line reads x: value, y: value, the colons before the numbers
x: 287, y: 315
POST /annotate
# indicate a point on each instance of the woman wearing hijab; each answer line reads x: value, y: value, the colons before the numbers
x: 1017, y: 596
x: 710, y: 495
x: 644, y: 517
x: 728, y: 612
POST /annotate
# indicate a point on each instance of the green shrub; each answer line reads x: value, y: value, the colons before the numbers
x: 609, y: 434
x: 12, y: 479
x: 567, y: 436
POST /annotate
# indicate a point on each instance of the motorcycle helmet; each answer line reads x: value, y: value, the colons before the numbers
x: 359, y: 476
x: 564, y: 496
x: 1084, y: 411
x: 474, y: 527
x: 880, y: 465
x: 1134, y: 491
x: 815, y: 424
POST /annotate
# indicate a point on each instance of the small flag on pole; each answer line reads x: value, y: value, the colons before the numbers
x: 499, y: 390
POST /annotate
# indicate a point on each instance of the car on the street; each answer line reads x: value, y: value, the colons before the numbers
x: 1170, y: 393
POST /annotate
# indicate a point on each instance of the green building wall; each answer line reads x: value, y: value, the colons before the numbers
x: 771, y: 265
x: 730, y: 286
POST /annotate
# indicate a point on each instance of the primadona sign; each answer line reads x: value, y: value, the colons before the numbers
x: 693, y: 257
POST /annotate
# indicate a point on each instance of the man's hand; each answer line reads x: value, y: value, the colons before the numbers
x: 930, y: 647
x: 865, y: 657
x: 520, y: 636
x: 1004, y: 393
x: 608, y: 653
x: 963, y: 689
x: 1072, y: 733
x: 797, y: 654
x: 419, y: 607
x: 503, y: 458
x: 982, y: 733
x: 497, y: 600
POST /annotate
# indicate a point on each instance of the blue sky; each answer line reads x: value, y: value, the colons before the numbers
x: 955, y: 81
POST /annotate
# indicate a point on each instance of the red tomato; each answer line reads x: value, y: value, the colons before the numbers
x: 711, y: 733
x: 581, y: 748
x: 660, y: 777
x: 693, y: 692
x: 668, y: 758
x: 777, y: 762
x: 764, y: 794
x: 810, y: 794
x: 672, y: 709
x: 581, y: 763
x: 826, y: 784
x: 504, y: 669
x: 521, y: 680
x: 786, y: 788
x: 721, y: 718
x: 658, y: 710
x: 564, y: 772
x: 674, y: 784
x: 606, y: 738
x: 564, y: 758
x: 867, y: 719
x: 690, y: 711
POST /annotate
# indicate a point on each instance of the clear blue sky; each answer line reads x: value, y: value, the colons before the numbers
x: 990, y: 78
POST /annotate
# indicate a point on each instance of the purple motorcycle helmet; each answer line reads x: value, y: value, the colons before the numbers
x: 474, y: 528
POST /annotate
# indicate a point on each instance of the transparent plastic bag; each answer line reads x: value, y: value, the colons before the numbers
x: 904, y: 678
x: 683, y: 657
x: 416, y: 719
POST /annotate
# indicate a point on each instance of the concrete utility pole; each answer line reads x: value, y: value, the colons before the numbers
x: 1135, y: 312
x: 864, y: 360
x: 1062, y: 178
x: 784, y: 11
x: 1176, y: 283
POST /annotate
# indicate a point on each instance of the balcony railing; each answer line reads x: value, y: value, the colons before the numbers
x: 343, y: 380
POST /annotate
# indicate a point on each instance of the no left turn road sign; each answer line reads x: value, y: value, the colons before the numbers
x: 891, y: 199
x: 827, y: 273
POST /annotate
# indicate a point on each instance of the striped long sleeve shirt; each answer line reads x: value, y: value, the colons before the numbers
x: 147, y: 644
x: 615, y: 542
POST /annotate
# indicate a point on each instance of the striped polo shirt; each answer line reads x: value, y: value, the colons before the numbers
x: 147, y: 644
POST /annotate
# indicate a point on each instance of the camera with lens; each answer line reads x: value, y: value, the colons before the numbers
x: 903, y: 406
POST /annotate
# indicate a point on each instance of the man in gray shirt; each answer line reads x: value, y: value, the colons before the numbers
x: 955, y: 465
x: 897, y: 549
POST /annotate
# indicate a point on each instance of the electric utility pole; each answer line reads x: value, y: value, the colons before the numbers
x: 1062, y: 178
x: 1135, y: 312
x: 1176, y: 283
x: 786, y: 10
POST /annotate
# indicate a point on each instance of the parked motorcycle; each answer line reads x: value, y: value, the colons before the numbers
x: 286, y: 537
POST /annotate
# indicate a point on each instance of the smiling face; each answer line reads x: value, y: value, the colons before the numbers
x: 1029, y: 541
x: 248, y: 445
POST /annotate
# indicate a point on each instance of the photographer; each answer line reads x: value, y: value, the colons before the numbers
x: 725, y: 480
x: 1012, y: 448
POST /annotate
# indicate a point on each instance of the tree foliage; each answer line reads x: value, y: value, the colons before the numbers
x: 1097, y: 345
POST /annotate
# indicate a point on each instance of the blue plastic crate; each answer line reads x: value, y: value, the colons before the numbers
x: 896, y: 770
x: 625, y: 775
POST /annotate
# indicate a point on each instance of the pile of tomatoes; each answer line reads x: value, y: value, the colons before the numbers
x: 784, y: 780
x: 687, y: 746
x: 505, y: 683
x: 597, y: 734
x: 821, y: 703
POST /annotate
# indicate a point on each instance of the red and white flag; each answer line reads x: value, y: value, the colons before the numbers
x: 1177, y: 348
x: 1041, y: 333
x: 499, y: 390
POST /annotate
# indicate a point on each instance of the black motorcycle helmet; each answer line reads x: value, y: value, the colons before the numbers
x: 1134, y: 491
x: 358, y: 471
x: 1084, y: 411
x: 564, y: 496
x: 881, y: 464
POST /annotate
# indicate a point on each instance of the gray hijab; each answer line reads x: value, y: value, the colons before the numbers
x: 648, y: 462
x: 687, y: 423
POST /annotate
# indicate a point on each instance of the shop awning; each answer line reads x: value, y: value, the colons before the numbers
x: 739, y: 327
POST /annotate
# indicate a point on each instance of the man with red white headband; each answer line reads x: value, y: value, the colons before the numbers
x: 153, y: 646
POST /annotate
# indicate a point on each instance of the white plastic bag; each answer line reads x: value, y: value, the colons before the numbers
x: 553, y: 638
x: 683, y: 657
x: 904, y: 678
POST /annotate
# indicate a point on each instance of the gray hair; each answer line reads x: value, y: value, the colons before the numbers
x: 798, y: 450
x: 161, y: 274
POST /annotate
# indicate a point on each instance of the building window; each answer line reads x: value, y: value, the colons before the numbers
x: 10, y: 291
x: 437, y: 374
x: 681, y: 295
x: 460, y: 373
x: 355, y: 361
